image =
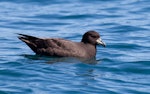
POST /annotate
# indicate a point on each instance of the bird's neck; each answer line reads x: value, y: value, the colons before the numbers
x: 91, y: 48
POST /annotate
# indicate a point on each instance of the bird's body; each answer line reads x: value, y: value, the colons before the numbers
x: 61, y: 47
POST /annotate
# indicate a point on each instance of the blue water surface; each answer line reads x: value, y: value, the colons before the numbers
x: 123, y: 67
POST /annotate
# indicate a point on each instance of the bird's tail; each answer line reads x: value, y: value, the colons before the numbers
x: 29, y: 40
x: 26, y: 37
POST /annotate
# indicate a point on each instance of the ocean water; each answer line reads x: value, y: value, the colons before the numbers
x: 123, y: 67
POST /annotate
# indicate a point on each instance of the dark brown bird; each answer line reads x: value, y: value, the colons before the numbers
x: 64, y: 48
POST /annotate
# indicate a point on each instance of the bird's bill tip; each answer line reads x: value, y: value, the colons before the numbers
x: 100, y: 42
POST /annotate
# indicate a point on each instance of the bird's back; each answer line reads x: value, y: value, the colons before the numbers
x: 54, y: 46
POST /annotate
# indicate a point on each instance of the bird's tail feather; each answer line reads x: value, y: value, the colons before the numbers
x: 24, y: 36
x: 29, y: 40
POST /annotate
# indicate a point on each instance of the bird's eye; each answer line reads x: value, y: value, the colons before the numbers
x: 93, y: 36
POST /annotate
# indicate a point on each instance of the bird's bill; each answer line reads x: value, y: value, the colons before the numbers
x: 100, y: 42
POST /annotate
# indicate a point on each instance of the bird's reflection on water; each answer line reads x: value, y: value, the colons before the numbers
x: 51, y: 60
x: 82, y: 69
